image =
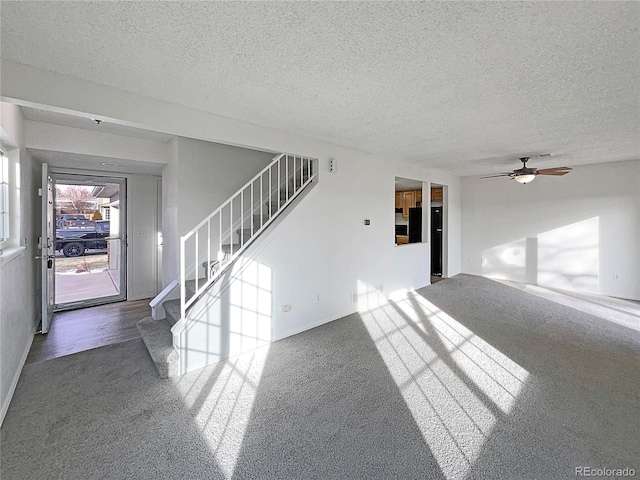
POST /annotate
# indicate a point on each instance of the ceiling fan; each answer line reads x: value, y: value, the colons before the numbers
x: 526, y: 174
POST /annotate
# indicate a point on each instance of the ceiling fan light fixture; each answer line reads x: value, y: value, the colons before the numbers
x: 524, y: 178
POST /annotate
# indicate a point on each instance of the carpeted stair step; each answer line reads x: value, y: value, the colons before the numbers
x: 283, y: 194
x: 172, y: 310
x: 273, y: 207
x: 292, y: 190
x: 246, y: 232
x: 259, y: 220
x: 226, y: 248
x: 190, y: 285
x: 158, y: 338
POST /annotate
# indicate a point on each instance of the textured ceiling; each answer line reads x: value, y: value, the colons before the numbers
x: 403, y: 184
x: 464, y: 86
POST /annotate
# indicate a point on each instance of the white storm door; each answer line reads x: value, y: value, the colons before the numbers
x: 47, y: 254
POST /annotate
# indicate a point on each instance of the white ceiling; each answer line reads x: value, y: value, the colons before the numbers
x: 463, y: 86
x: 404, y: 184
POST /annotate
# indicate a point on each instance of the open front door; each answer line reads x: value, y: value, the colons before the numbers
x: 47, y: 254
x: 90, y: 240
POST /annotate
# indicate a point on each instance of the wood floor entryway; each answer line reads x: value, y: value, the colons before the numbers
x: 79, y: 330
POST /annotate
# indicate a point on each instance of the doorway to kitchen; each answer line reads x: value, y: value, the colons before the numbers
x: 90, y: 240
x: 437, y: 232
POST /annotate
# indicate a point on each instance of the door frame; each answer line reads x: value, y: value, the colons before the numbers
x: 47, y: 249
x: 158, y: 235
x: 445, y: 227
x: 89, y: 179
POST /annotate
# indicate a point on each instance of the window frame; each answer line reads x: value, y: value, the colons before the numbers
x: 5, y: 200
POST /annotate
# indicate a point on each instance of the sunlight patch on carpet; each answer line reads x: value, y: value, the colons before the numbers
x: 455, y: 384
x: 221, y: 398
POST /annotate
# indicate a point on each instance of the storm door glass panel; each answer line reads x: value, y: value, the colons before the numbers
x: 90, y: 256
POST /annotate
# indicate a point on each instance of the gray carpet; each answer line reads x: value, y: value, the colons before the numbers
x: 468, y: 378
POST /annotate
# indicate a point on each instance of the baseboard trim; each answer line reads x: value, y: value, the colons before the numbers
x: 319, y: 323
x: 14, y: 383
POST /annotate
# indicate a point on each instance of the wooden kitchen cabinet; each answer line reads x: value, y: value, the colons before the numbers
x: 398, y: 199
x: 408, y: 201
x: 436, y: 194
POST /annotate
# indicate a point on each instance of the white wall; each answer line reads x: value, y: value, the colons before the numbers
x: 19, y: 290
x: 199, y: 178
x: 60, y: 138
x: 170, y: 201
x: 323, y: 248
x: 142, y: 193
x: 573, y: 232
x: 209, y: 174
x: 317, y: 257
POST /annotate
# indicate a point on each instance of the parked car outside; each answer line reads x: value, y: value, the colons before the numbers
x: 74, y: 242
x: 102, y: 227
x: 68, y: 221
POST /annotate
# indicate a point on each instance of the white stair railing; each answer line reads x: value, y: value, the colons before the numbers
x: 246, y: 214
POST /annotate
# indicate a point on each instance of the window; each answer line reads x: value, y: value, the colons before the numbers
x: 9, y: 200
x: 4, y: 198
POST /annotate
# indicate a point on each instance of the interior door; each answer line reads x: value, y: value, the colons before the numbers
x: 47, y: 256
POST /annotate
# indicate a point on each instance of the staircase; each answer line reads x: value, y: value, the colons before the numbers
x: 208, y: 253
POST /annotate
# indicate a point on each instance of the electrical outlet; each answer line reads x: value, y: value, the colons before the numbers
x: 285, y: 308
x: 616, y: 276
x: 318, y: 297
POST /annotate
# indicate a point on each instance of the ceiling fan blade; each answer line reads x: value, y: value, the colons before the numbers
x: 555, y: 169
x: 557, y: 173
x: 501, y: 175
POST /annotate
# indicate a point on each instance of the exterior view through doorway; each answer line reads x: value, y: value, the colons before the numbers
x: 90, y: 240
